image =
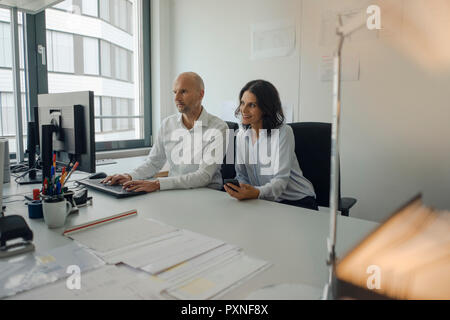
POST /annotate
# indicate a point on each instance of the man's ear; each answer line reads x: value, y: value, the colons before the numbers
x: 202, y: 93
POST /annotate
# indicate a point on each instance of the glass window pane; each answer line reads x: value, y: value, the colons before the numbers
x: 8, y: 118
x: 104, y: 10
x: 21, y: 51
x: 117, y: 62
x: 65, y: 5
x: 5, y: 44
x: 123, y: 15
x: 106, y: 58
x: 129, y: 17
x: 50, y: 51
x: 91, y: 53
x: 63, y: 52
x: 107, y: 111
x: 97, y: 112
x: 89, y: 7
x: 116, y: 12
x: 7, y: 102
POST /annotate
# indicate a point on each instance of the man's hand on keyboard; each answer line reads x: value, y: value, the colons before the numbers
x: 141, y: 185
x: 117, y: 179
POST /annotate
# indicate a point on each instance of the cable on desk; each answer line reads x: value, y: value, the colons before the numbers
x: 17, y: 194
x: 7, y: 202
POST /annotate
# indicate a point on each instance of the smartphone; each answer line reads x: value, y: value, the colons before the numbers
x: 232, y: 181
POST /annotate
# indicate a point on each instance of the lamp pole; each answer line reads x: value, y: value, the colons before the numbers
x: 342, y: 32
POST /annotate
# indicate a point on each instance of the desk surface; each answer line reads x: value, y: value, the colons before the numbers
x: 292, y: 239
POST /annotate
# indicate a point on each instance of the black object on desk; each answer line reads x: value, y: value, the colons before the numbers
x: 98, y: 175
x: 12, y: 229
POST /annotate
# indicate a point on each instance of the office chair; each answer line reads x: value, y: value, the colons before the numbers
x: 228, y: 171
x: 313, y: 150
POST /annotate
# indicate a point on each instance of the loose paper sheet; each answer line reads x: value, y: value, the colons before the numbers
x: 273, y: 39
x: 122, y: 233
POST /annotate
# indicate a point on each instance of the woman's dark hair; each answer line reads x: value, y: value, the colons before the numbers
x: 268, y: 101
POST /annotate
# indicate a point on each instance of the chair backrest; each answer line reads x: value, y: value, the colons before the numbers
x: 313, y: 150
x: 228, y: 171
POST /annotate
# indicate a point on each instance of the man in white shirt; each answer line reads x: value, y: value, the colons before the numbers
x: 201, y: 145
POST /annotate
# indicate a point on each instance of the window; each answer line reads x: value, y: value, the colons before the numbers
x: 60, y: 52
x: 107, y: 111
x: 97, y: 113
x: 119, y: 13
x: 129, y: 14
x: 90, y: 45
x: 122, y: 110
x: 99, y: 54
x: 5, y: 48
x: 122, y: 15
x: 106, y: 58
x: 7, y: 94
x: 116, y: 12
x: 8, y: 114
x: 104, y: 10
x: 91, y: 54
x: 65, y: 5
x: 90, y: 8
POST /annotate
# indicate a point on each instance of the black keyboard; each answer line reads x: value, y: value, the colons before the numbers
x: 115, y: 190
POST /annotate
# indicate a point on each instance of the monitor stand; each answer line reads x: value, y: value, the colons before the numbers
x: 28, y: 179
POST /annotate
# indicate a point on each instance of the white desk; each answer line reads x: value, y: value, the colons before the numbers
x: 293, y: 239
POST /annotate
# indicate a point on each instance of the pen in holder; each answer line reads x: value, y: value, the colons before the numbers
x: 57, y: 201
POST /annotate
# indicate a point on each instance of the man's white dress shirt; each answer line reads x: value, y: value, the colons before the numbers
x: 194, y: 156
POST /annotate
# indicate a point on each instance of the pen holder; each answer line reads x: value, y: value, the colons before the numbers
x: 35, y: 209
x: 56, y: 210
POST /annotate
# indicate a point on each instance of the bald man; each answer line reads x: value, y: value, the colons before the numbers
x: 192, y: 142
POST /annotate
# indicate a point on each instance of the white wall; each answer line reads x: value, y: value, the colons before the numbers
x: 395, y: 120
x: 212, y: 38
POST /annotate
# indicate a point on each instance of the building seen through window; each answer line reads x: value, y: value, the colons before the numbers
x: 91, y: 45
x: 7, y: 104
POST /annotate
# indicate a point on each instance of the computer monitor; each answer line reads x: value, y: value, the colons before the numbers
x: 66, y: 122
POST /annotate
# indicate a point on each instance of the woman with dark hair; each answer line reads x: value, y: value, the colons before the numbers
x: 266, y: 164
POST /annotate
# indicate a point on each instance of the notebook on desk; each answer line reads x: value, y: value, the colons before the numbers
x: 115, y: 190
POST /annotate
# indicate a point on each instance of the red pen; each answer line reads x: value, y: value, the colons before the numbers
x: 44, y: 187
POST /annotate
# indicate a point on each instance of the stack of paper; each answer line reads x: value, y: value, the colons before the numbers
x: 218, y: 280
x: 183, y: 264
x: 166, y: 254
x: 120, y: 234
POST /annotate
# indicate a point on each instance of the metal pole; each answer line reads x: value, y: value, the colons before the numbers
x: 16, y: 85
x: 329, y: 290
